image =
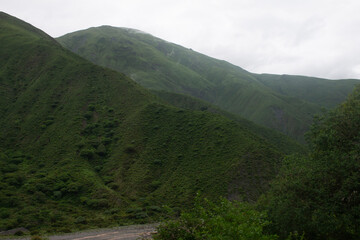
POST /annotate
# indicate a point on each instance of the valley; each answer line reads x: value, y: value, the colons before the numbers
x: 109, y: 127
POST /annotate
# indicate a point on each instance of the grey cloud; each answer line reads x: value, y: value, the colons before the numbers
x: 318, y: 37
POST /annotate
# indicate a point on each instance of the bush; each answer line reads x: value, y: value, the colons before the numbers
x: 101, y: 150
x: 80, y: 220
x: 37, y: 238
x: 130, y: 149
x: 88, y: 115
x: 87, y: 153
x: 57, y: 195
x: 4, y: 213
x: 97, y: 203
x: 225, y: 220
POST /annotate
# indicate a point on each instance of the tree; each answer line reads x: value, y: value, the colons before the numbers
x: 320, y: 194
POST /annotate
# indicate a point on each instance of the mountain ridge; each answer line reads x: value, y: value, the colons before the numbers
x: 160, y: 65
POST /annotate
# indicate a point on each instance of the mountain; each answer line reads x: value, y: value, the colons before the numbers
x: 84, y: 146
x: 279, y: 140
x: 159, y: 65
x: 323, y: 92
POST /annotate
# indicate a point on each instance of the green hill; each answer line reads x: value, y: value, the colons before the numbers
x: 323, y: 92
x: 279, y: 140
x: 160, y: 65
x: 84, y: 146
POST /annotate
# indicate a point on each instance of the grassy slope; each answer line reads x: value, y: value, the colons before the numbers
x: 84, y: 146
x: 160, y: 65
x: 326, y: 93
x: 276, y: 138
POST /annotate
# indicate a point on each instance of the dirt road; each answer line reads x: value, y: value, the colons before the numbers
x: 120, y: 233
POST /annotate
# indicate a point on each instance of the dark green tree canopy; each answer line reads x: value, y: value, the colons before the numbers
x: 320, y: 194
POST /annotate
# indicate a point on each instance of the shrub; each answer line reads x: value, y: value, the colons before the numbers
x: 80, y: 220
x: 130, y: 149
x: 225, y: 220
x: 155, y: 184
x: 57, y: 194
x: 88, y: 115
x: 87, y: 153
x: 97, y: 203
x: 36, y: 238
x: 154, y: 208
x: 91, y: 107
x: 4, y: 213
x: 101, y: 150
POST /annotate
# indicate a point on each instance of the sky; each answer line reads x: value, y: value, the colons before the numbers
x: 318, y: 38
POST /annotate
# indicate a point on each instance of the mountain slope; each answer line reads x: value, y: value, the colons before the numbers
x: 323, y: 92
x: 160, y: 65
x: 279, y: 140
x: 84, y: 146
x: 318, y: 194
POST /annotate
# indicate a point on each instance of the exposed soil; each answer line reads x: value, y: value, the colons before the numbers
x: 119, y: 233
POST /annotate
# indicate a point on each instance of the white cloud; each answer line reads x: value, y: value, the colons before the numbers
x: 307, y: 37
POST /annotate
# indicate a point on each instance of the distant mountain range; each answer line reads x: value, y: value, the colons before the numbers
x: 282, y: 102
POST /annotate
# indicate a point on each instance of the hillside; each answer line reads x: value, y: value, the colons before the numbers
x: 279, y: 140
x: 84, y: 146
x: 160, y: 65
x: 323, y: 92
x: 318, y: 195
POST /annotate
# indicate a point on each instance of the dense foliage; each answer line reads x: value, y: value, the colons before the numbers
x: 320, y: 194
x: 279, y: 140
x: 216, y: 220
x: 82, y: 146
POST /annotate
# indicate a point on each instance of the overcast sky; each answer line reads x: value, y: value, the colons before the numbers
x: 305, y: 37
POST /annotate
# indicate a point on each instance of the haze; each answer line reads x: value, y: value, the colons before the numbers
x: 316, y: 38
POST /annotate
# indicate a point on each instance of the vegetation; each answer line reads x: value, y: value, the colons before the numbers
x: 323, y: 92
x: 319, y: 194
x: 283, y: 103
x: 279, y: 140
x: 82, y: 146
x: 220, y: 220
x: 313, y: 197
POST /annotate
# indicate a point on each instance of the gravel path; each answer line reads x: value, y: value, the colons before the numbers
x: 132, y: 232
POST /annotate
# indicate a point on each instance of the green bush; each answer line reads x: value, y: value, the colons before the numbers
x: 4, y: 213
x: 223, y: 220
x: 57, y: 195
x: 37, y: 238
x: 88, y: 115
x: 91, y: 107
x: 87, y: 153
x: 98, y: 203
x: 80, y: 220
x: 101, y: 150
